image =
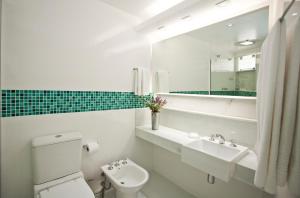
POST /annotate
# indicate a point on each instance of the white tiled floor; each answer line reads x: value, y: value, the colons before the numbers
x: 111, y: 194
x: 160, y: 187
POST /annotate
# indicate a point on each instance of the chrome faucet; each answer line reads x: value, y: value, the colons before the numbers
x: 221, y: 138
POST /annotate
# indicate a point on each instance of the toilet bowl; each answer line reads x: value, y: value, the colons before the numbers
x: 127, y: 177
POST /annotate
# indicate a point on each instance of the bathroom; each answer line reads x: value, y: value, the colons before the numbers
x: 85, y: 71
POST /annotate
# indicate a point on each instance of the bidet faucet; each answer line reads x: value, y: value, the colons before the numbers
x: 110, y: 166
x: 221, y: 138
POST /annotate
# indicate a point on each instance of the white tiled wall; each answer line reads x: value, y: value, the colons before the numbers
x: 114, y: 130
x: 224, y: 105
x: 243, y: 132
x: 68, y: 45
x: 194, y: 181
x: 89, y: 45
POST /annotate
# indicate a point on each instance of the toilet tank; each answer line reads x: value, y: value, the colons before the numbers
x: 56, y: 156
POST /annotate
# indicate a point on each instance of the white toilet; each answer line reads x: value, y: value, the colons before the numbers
x: 127, y: 177
x: 56, y: 167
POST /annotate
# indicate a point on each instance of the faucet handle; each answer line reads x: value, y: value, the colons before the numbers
x: 117, y: 163
x: 110, y: 166
x: 124, y: 162
x: 221, y: 138
x: 232, y: 143
x: 212, y: 137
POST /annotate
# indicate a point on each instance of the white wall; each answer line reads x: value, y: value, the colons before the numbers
x: 83, y: 45
x: 194, y: 181
x: 242, y: 132
x: 1, y: 97
x: 113, y: 129
x: 190, y: 179
x: 68, y: 45
x: 186, y: 59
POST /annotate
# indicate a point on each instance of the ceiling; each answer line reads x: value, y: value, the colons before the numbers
x: 202, y: 13
x: 252, y: 26
x: 154, y: 14
x: 221, y: 38
x: 143, y: 9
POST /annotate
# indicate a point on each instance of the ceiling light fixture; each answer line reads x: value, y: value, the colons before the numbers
x: 223, y: 3
x: 295, y: 14
x: 246, y: 43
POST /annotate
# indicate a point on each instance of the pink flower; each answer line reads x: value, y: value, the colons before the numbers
x: 155, y: 104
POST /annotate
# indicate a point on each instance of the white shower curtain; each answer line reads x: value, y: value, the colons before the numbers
x: 278, y: 110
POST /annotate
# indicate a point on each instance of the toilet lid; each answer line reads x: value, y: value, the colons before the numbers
x: 77, y: 188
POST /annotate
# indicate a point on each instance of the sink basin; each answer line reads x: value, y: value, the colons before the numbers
x: 213, y: 158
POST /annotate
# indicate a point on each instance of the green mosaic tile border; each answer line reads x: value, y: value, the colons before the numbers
x: 191, y: 92
x: 245, y: 93
x: 223, y: 93
x: 37, y: 102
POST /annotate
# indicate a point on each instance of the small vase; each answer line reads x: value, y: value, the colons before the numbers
x: 155, y: 120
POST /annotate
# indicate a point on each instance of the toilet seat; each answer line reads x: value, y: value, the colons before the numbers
x: 76, y: 188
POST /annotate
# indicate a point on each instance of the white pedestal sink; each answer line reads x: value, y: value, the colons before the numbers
x: 213, y: 158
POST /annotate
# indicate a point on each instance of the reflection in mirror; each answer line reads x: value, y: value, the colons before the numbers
x: 220, y: 59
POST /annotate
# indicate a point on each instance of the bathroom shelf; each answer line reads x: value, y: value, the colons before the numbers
x: 172, y: 140
x: 167, y: 138
x: 220, y: 97
x: 211, y: 115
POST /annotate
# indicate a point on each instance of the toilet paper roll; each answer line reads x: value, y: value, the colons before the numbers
x: 91, y: 147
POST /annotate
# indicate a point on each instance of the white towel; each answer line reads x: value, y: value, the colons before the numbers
x: 141, y: 81
x: 162, y: 82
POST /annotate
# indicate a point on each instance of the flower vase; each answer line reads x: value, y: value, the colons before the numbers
x: 155, y: 120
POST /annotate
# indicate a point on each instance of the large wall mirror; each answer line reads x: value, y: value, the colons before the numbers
x: 220, y: 59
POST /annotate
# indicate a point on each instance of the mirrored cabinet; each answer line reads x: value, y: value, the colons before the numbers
x: 220, y: 59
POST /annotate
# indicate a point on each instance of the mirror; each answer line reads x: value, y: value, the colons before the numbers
x: 220, y: 59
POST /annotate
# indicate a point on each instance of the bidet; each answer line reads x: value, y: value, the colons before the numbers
x: 127, y: 177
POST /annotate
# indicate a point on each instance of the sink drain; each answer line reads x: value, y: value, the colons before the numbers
x: 122, y: 182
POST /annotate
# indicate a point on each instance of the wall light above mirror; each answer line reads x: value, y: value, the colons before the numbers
x: 220, y: 59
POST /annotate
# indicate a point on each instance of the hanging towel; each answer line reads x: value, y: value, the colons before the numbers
x: 162, y: 82
x: 141, y: 81
x: 269, y: 107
